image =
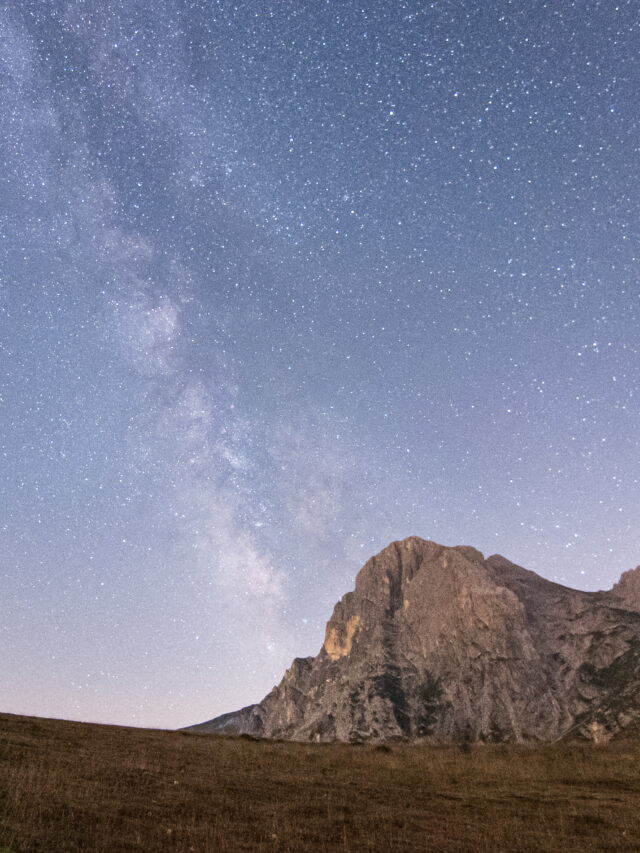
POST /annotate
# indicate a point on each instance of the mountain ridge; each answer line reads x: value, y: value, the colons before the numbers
x: 438, y: 643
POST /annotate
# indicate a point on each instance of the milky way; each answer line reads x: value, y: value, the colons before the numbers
x: 281, y: 282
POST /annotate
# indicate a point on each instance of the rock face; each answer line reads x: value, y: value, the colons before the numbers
x: 440, y: 644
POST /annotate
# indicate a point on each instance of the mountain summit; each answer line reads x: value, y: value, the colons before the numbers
x: 439, y: 643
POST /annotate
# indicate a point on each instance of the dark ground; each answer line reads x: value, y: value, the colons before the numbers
x: 79, y: 787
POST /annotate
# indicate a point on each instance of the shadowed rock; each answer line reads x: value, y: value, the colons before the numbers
x: 438, y: 643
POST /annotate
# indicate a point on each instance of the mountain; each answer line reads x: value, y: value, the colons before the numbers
x: 438, y: 643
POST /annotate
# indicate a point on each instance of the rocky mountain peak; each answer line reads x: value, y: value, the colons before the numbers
x: 385, y: 577
x: 436, y: 642
x: 627, y: 589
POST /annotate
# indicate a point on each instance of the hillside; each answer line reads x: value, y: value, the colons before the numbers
x: 82, y: 788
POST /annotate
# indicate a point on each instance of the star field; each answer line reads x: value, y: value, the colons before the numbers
x: 283, y: 282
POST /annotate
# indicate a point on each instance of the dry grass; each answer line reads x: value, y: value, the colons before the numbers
x: 78, y: 787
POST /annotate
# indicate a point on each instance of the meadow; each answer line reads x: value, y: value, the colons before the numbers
x: 68, y: 786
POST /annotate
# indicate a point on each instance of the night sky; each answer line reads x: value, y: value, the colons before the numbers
x: 281, y: 282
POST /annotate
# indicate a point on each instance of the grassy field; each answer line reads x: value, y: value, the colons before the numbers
x: 79, y: 787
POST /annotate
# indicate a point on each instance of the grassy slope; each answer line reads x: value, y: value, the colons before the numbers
x: 79, y: 787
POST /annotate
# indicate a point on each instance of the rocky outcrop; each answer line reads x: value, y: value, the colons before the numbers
x: 627, y: 590
x: 438, y: 643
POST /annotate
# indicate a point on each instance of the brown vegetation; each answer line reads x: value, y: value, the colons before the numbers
x: 79, y: 787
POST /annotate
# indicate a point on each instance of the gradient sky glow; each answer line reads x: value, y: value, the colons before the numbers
x: 282, y: 281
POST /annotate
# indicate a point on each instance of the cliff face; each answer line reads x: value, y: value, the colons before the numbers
x: 440, y: 643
